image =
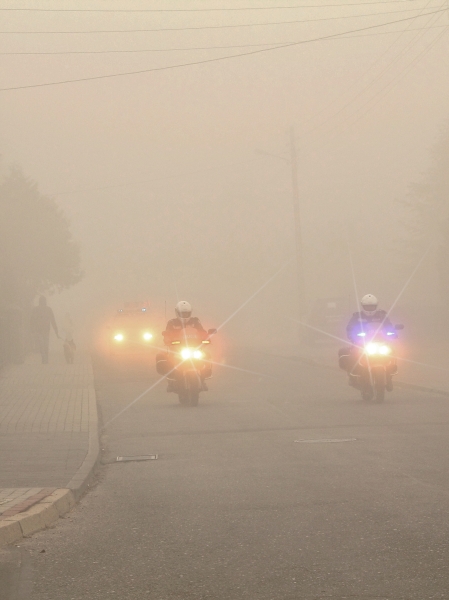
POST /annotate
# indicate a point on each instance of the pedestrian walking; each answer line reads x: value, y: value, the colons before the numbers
x: 42, y: 319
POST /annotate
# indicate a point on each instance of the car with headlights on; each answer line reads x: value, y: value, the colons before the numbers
x: 131, y: 332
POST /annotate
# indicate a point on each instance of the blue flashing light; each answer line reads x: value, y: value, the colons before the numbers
x: 361, y: 334
x: 390, y: 332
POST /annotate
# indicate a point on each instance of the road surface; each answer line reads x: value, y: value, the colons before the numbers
x: 281, y: 485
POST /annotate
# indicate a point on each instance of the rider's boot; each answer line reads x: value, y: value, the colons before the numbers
x: 389, y: 383
x: 171, y: 385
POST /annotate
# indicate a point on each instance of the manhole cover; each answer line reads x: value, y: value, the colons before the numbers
x: 142, y: 457
x: 326, y: 441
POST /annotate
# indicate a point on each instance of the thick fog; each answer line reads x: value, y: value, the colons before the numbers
x: 178, y: 181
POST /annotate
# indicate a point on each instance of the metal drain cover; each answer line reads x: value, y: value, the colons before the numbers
x: 132, y: 458
x: 326, y: 441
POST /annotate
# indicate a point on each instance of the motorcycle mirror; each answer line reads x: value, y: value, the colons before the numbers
x: 399, y: 327
x: 211, y: 331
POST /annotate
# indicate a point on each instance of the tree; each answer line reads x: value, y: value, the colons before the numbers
x: 37, y: 252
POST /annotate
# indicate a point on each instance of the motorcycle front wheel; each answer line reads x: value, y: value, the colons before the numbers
x: 189, y: 395
x: 367, y: 393
x: 193, y: 385
x: 184, y: 398
x: 379, y: 381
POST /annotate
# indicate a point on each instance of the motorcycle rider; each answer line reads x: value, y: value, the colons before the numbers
x: 368, y: 314
x: 182, y: 320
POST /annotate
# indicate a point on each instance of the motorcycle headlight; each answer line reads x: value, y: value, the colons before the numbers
x: 384, y: 350
x: 147, y: 336
x: 119, y: 337
x: 372, y: 348
x: 197, y: 354
x: 186, y: 353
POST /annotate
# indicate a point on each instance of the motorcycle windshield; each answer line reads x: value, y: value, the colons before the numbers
x: 368, y: 332
x: 188, y: 336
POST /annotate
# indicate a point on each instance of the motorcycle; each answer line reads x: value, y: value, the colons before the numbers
x: 370, y: 363
x: 186, y: 363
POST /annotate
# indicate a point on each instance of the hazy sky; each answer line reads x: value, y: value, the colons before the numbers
x: 187, y: 202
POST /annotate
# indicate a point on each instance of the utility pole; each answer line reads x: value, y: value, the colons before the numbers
x: 298, y: 236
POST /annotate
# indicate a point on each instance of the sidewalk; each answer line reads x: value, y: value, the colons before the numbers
x: 48, y: 438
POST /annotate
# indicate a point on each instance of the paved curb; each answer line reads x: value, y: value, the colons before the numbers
x: 47, y: 511
x: 40, y: 516
x: 80, y: 482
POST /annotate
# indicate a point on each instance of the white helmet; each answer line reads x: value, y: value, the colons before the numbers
x: 183, y: 310
x: 369, y: 304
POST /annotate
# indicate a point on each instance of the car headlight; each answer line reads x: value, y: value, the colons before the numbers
x: 147, y: 336
x: 119, y: 337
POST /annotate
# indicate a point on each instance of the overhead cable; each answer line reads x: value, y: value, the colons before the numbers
x: 202, y: 27
x: 145, y: 50
x: 185, y: 10
x: 379, y: 75
x: 211, y: 60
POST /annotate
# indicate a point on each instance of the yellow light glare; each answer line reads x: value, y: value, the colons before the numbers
x: 197, y: 354
x: 186, y: 353
x: 372, y: 348
x: 119, y: 337
x: 147, y: 336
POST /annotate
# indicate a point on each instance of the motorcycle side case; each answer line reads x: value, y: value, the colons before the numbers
x: 344, y: 359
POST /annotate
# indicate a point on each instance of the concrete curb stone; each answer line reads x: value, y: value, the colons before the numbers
x: 40, y: 516
x: 63, y: 500
x: 82, y: 478
x: 10, y: 532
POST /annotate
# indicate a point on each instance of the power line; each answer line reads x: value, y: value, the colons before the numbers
x: 379, y: 14
x: 210, y: 60
x: 397, y: 79
x: 378, y: 76
x: 386, y: 89
x: 184, y: 10
x: 206, y: 47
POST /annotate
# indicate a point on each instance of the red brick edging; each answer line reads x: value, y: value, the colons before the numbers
x: 26, y: 504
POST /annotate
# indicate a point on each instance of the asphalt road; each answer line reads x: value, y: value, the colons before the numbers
x: 247, y: 498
